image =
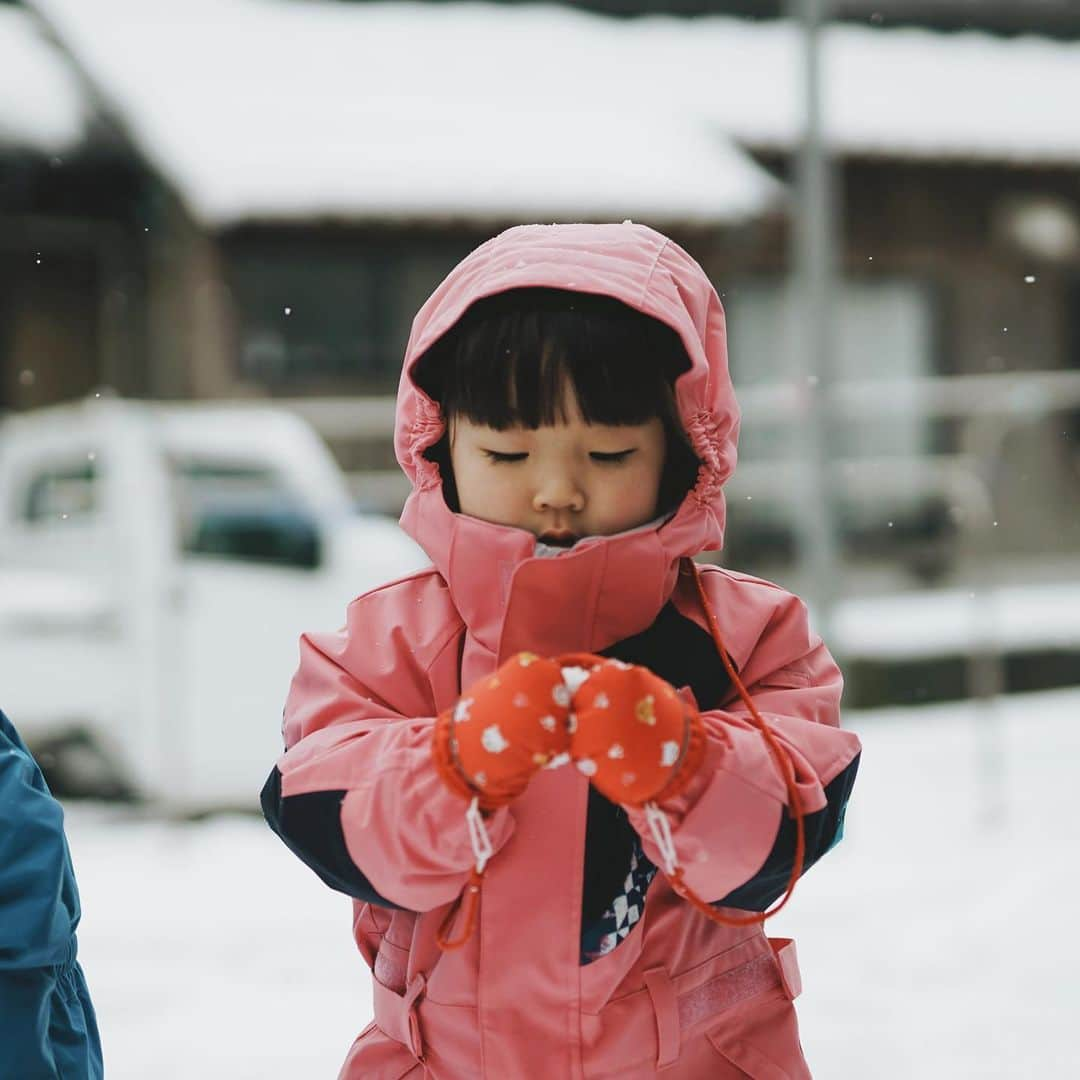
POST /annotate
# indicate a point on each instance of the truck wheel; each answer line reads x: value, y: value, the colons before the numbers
x: 75, y: 766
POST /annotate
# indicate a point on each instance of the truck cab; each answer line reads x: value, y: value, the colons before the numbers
x: 157, y: 566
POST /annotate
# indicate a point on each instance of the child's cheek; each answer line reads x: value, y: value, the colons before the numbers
x: 507, y: 495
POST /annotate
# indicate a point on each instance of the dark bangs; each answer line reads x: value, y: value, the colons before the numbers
x: 507, y: 360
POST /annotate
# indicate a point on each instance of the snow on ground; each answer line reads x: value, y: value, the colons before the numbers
x: 212, y: 951
x: 935, y: 940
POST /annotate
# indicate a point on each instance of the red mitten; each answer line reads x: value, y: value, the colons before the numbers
x: 635, y: 738
x: 503, y: 729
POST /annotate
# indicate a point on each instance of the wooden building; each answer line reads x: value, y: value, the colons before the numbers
x: 175, y: 267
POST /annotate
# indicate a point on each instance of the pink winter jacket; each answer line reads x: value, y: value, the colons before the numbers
x: 356, y: 794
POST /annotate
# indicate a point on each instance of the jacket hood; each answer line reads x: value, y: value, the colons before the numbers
x: 643, y: 269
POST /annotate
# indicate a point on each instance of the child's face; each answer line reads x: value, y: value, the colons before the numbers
x: 561, y: 482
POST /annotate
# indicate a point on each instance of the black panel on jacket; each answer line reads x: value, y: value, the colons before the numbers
x: 822, y: 831
x: 678, y: 650
x: 310, y: 825
x: 609, y: 843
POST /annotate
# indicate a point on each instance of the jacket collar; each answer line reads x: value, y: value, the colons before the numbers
x: 603, y: 589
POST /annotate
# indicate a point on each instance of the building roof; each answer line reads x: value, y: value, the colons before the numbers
x: 903, y: 93
x: 42, y: 106
x: 276, y: 110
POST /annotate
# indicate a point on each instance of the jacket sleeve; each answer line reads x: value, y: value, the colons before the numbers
x: 356, y: 795
x: 47, y: 1022
x: 731, y: 827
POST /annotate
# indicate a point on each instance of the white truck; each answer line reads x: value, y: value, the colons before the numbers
x: 157, y: 566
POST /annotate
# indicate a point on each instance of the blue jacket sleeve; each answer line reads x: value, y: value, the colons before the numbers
x: 47, y: 1022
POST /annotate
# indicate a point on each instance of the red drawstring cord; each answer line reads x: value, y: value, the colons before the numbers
x: 482, y: 850
x: 470, y: 897
x: 470, y: 900
x: 783, y: 763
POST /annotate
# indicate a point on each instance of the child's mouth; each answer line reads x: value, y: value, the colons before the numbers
x: 563, y: 540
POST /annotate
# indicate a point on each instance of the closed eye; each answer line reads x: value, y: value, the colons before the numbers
x: 496, y: 456
x: 612, y: 458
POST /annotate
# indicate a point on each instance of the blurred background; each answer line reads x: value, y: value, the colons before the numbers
x: 217, y: 220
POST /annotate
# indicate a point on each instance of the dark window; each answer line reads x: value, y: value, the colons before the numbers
x: 317, y: 313
x: 233, y: 510
x: 62, y: 492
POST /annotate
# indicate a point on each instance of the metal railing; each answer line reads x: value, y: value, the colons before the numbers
x: 989, y: 408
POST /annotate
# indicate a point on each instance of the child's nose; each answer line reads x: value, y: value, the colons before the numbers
x: 559, y: 492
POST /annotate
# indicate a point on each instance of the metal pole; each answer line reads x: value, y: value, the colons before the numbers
x: 812, y: 365
x: 986, y: 437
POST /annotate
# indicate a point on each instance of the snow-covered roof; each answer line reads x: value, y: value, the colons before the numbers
x: 271, y: 109
x: 42, y: 106
x: 263, y: 109
x: 906, y: 93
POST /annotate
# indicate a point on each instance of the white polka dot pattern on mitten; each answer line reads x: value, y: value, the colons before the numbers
x: 635, y: 731
x: 506, y: 726
x: 493, y: 741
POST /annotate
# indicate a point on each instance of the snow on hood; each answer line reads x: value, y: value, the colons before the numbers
x: 631, y: 263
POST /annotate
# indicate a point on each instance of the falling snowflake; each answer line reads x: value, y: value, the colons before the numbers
x: 547, y: 722
x: 601, y: 701
x: 615, y: 751
x: 587, y: 766
x: 492, y: 740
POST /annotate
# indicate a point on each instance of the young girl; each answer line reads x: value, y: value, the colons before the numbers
x: 564, y: 771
